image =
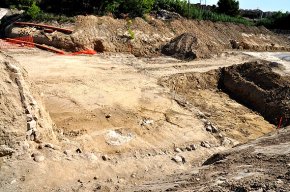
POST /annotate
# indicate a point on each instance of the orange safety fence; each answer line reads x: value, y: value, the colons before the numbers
x: 18, y: 42
x: 27, y: 42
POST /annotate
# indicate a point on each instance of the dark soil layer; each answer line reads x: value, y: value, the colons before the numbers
x: 259, y: 88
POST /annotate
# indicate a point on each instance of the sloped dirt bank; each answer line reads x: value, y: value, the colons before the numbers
x: 260, y: 165
x: 259, y: 88
x: 146, y: 37
x: 23, y: 119
x: 253, y: 84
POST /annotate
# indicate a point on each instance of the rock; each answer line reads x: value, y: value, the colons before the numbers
x: 54, y: 147
x: 188, y: 148
x: 226, y: 141
x: 31, y: 125
x: 214, y: 129
x: 202, y: 115
x: 49, y: 145
x: 41, y: 146
x: 108, y: 116
x: 193, y: 147
x: 166, y: 15
x: 28, y: 133
x: 178, y: 150
x: 235, y: 44
x: 207, y: 114
x: 133, y: 175
x: 205, y: 144
x: 205, y: 121
x: 146, y: 122
x: 38, y: 157
x: 211, y: 128
x: 208, y: 128
x: 25, y: 145
x: 105, y: 158
x: 91, y: 156
x: 67, y: 152
x: 5, y: 150
x: 178, y: 159
x: 29, y: 117
x: 13, y: 181
x: 79, y: 150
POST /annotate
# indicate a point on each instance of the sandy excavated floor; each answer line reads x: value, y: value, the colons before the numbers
x: 112, y: 104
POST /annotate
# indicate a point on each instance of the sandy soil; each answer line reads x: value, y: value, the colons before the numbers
x: 113, y: 105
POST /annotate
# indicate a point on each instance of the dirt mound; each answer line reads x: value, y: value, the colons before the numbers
x: 259, y: 88
x: 146, y: 37
x: 185, y: 47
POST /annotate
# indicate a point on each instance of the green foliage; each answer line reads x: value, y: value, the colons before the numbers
x: 278, y: 20
x: 20, y: 4
x: 69, y: 8
x: 137, y: 7
x: 215, y: 17
x: 33, y: 11
x: 228, y: 7
x: 130, y: 31
x: 178, y: 6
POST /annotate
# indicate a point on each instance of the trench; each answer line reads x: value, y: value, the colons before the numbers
x: 234, y: 93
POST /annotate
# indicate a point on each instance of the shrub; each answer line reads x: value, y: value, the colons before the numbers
x: 278, y: 20
x: 228, y: 7
x: 33, y: 11
x: 136, y: 7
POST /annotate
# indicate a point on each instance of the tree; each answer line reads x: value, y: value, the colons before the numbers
x: 228, y: 7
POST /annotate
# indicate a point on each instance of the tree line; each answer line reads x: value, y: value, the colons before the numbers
x: 226, y: 10
x: 133, y: 7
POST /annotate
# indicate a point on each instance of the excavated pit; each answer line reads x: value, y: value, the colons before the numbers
x: 221, y: 92
x: 259, y: 88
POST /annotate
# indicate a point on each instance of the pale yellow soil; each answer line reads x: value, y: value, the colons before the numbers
x: 98, y: 104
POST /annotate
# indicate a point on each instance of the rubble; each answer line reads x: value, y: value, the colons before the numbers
x: 5, y: 150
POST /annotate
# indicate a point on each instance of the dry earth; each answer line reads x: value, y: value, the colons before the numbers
x: 149, y: 35
x: 115, y: 127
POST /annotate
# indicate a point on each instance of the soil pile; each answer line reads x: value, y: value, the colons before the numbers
x: 146, y: 37
x: 259, y: 88
x: 185, y: 47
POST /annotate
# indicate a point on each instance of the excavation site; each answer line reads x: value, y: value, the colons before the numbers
x: 185, y: 105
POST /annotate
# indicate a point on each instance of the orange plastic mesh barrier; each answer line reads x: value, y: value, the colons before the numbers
x: 19, y: 42
x: 85, y: 52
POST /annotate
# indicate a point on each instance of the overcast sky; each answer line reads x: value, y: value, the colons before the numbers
x: 265, y: 5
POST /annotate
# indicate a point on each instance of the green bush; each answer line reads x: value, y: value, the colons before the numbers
x: 278, y: 20
x: 136, y: 7
x: 228, y: 7
x: 20, y: 4
x: 33, y: 11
